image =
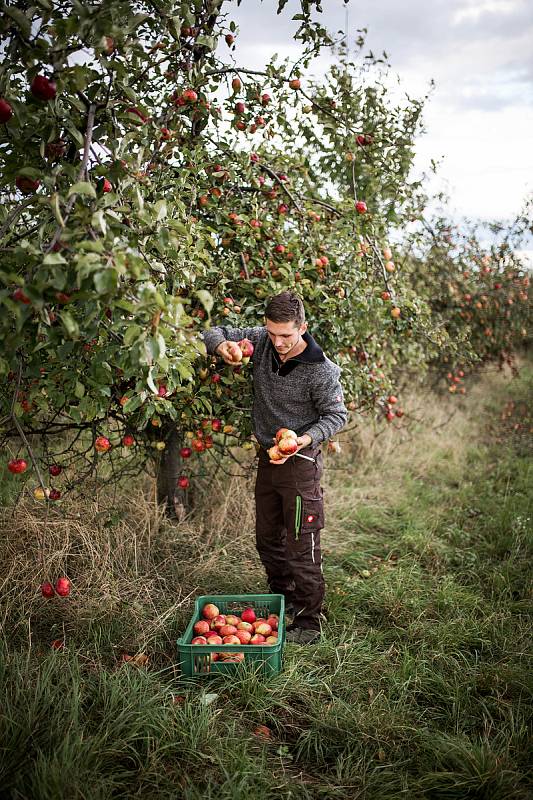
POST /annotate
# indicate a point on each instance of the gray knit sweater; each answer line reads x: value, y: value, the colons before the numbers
x: 303, y: 394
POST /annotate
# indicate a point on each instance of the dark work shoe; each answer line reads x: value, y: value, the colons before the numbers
x: 302, y: 635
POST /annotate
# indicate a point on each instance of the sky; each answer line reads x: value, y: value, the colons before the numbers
x: 479, y: 117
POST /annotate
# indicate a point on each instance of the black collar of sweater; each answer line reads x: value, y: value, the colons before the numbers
x: 313, y: 354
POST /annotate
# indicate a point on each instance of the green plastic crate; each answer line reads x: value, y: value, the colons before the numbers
x: 195, y: 659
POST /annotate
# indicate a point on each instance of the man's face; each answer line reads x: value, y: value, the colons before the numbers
x: 284, y: 335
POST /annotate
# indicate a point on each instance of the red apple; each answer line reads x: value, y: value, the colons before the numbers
x: 201, y: 627
x: 216, y: 425
x: 231, y: 619
x: 210, y: 611
x: 360, y: 207
x: 294, y: 83
x: 128, y: 440
x: 199, y: 640
x: 183, y: 482
x: 213, y: 638
x: 21, y: 297
x: 273, y: 621
x: 227, y: 630
x: 239, y: 108
x: 6, y: 112
x: 55, y: 494
x: 26, y: 185
x: 218, y: 621
x: 58, y: 644
x: 198, y: 445
x: 274, y: 453
x: 257, y: 638
x: 185, y: 452
x: 190, y: 96
x: 247, y: 349
x: 47, y: 590
x: 236, y: 84
x: 248, y: 615
x: 392, y: 399
x: 17, y: 465
x: 230, y: 638
x: 264, y: 629
x: 55, y: 470
x: 287, y: 446
x: 284, y: 432
x: 243, y: 636
x: 102, y: 444
x: 63, y: 587
x: 230, y: 38
x: 43, y: 88
x: 272, y: 639
x: 245, y: 626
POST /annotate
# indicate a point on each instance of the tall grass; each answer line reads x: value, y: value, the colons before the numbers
x: 420, y: 687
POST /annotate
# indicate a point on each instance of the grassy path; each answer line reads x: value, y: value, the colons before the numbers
x: 420, y: 689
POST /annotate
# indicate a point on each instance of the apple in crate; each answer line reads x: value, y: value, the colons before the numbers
x: 273, y: 621
x: 271, y: 639
x: 231, y: 639
x: 259, y: 621
x: 243, y: 636
x: 210, y: 611
x: 264, y: 629
x: 245, y: 626
x: 218, y: 621
x: 231, y: 619
x: 201, y: 627
x: 248, y: 615
x: 227, y: 630
x: 257, y: 638
x: 199, y: 640
x: 231, y: 658
x: 213, y: 638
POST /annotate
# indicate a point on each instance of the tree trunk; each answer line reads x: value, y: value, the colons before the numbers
x: 177, y: 501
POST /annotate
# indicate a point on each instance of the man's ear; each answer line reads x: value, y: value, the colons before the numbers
x: 303, y: 328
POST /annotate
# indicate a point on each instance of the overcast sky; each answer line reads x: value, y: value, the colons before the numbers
x: 479, y: 118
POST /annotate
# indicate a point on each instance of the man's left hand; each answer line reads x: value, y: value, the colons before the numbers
x: 302, y: 441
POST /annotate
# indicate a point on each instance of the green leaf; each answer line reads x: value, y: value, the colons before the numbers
x: 54, y: 258
x: 160, y: 209
x: 150, y: 381
x: 132, y: 334
x: 70, y: 324
x: 205, y: 298
x: 98, y: 221
x: 84, y: 188
x: 79, y: 390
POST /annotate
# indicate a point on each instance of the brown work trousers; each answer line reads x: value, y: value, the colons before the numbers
x: 289, y: 506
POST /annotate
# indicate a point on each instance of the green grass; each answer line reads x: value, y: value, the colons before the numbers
x: 420, y: 688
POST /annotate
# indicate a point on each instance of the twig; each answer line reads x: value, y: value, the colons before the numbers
x: 81, y: 173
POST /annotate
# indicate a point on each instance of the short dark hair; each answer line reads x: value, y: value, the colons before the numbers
x: 286, y: 307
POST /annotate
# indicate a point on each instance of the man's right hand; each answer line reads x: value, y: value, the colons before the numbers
x: 230, y: 352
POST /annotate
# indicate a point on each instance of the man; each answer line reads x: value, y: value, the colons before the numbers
x: 295, y: 387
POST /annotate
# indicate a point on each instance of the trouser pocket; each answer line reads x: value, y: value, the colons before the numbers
x: 309, y: 512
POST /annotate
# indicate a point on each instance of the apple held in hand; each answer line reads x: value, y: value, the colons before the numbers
x: 283, y: 433
x: 274, y: 454
x: 287, y: 446
x: 247, y: 350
